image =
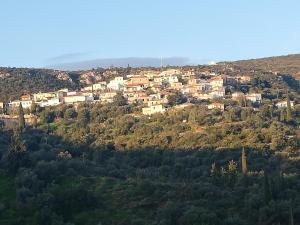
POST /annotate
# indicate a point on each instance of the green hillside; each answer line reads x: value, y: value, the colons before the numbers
x: 15, y: 82
x: 289, y: 64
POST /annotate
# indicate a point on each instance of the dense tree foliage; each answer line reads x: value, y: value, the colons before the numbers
x: 107, y: 164
x: 101, y: 164
x: 18, y: 81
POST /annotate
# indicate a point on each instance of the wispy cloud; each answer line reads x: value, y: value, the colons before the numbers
x: 65, y: 58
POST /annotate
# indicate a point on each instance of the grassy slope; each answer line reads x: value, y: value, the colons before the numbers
x: 284, y: 64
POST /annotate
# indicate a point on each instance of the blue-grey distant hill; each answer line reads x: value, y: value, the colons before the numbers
x: 121, y: 62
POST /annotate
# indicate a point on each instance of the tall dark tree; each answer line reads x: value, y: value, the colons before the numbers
x: 119, y: 100
x: 243, y: 115
x: 2, y: 124
x: 92, y: 80
x: 291, y: 216
x: 16, y: 152
x: 288, y: 109
x: 21, y: 118
x: 267, y: 188
x: 244, y: 162
x: 33, y: 108
x: 176, y: 99
x: 282, y: 115
x: 83, y: 117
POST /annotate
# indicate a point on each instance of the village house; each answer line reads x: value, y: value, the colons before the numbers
x: 153, y: 109
x: 217, y: 82
x: 78, y: 98
x: 155, y: 96
x: 133, y: 87
x: 49, y: 102
x: 170, y: 72
x: 96, y: 87
x: 231, y: 80
x: 243, y: 79
x: 176, y: 85
x: 254, y: 97
x: 216, y: 105
x: 218, y: 93
x: 191, y: 89
x: 202, y: 96
x: 71, y: 93
x: 237, y: 95
x: 43, y: 96
x: 182, y: 106
x: 61, y: 93
x: 138, y: 97
x: 161, y: 101
x: 107, y: 97
x: 283, y: 104
x: 158, y: 80
x: 26, y: 104
x: 154, y: 83
x: 172, y: 79
x: 205, y: 86
x: 156, y: 88
x: 116, y: 84
x: 1, y: 105
x: 188, y: 74
x: 193, y: 81
x: 139, y: 80
x: 150, y: 74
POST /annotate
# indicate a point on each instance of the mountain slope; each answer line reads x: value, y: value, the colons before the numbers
x: 289, y: 64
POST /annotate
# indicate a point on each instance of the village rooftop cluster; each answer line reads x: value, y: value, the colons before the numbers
x: 150, y: 89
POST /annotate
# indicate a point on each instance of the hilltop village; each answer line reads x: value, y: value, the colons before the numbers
x: 158, y: 90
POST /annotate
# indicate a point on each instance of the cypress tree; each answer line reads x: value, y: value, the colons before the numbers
x: 288, y: 109
x: 33, y: 108
x: 16, y: 152
x: 267, y: 189
x: 21, y: 118
x: 244, y: 162
x: 243, y: 115
x: 291, y: 216
x: 282, y: 115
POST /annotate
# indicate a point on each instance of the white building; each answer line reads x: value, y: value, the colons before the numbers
x: 218, y: 93
x: 238, y: 95
x: 173, y: 79
x: 43, y: 96
x: 217, y: 82
x: 77, y: 99
x: 107, y: 96
x: 283, y: 104
x: 153, y: 109
x: 170, y: 72
x: 49, y: 102
x: 255, y: 97
x: 216, y: 105
x: 96, y: 87
x: 25, y: 104
x: 116, y: 84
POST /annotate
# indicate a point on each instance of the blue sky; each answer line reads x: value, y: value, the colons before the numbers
x: 37, y: 33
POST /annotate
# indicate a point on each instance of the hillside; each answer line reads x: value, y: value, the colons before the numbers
x: 15, y: 82
x: 289, y: 64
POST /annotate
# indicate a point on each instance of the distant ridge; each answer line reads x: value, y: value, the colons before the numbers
x: 121, y: 62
